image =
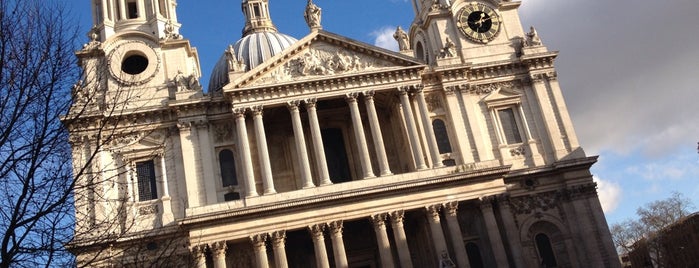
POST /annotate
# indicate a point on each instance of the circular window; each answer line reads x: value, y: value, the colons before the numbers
x: 134, y: 64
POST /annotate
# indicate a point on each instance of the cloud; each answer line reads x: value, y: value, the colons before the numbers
x: 609, y: 194
x: 383, y: 38
x: 676, y: 168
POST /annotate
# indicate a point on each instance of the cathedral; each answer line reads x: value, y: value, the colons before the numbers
x: 323, y: 151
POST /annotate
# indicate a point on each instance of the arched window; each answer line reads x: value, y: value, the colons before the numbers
x: 440, y: 133
x: 474, y: 255
x: 546, y: 255
x: 227, y: 163
x: 420, y: 51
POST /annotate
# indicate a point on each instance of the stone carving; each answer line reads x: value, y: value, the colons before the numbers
x: 519, y: 151
x: 148, y: 210
x: 434, y: 102
x: 312, y: 15
x: 449, y: 50
x: 451, y: 208
x: 94, y: 43
x: 402, y: 38
x: 397, y: 216
x: 119, y: 141
x: 445, y: 261
x: 223, y: 132
x: 440, y: 4
x: 218, y: 248
x: 539, y: 202
x: 185, y: 83
x: 488, y: 88
x: 581, y: 191
x: 278, y: 238
x: 336, y: 228
x: 378, y: 220
x: 532, y: 38
x: 79, y: 92
x: 258, y: 240
x: 316, y: 230
x: 170, y: 32
x: 234, y: 64
x: 433, y: 212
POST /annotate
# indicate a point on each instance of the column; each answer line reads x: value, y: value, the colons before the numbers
x: 457, y: 121
x: 244, y: 147
x: 121, y: 9
x: 364, y: 159
x: 562, y: 110
x: 205, y: 166
x: 533, y: 148
x: 440, y: 243
x: 318, y: 149
x: 262, y: 151
x: 552, y: 130
x: 301, y: 153
x: 382, y: 242
x: 338, y: 244
x: 493, y: 231
x: 427, y: 127
x: 192, y: 181
x: 259, y: 245
x: 400, y: 239
x: 319, y: 245
x: 376, y: 134
x: 218, y: 252
x: 473, y: 111
x: 199, y: 256
x: 455, y: 233
x: 512, y: 231
x: 412, y: 130
x: 278, y: 245
x: 167, y: 216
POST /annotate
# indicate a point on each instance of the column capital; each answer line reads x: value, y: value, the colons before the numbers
x: 198, y: 251
x: 238, y: 111
x: 403, y: 90
x: 258, y: 240
x: 433, y: 212
x: 278, y: 238
x: 336, y: 227
x: 397, y: 216
x: 352, y: 97
x: 537, y: 78
x: 552, y: 76
x: 418, y: 88
x: 310, y: 102
x: 293, y: 105
x: 316, y: 230
x: 218, y: 248
x: 450, y: 90
x: 257, y: 110
x: 487, y: 201
x: 451, y: 207
x: 369, y: 94
x: 378, y: 220
x: 184, y: 125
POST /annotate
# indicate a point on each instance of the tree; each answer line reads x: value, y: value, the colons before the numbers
x: 652, y: 219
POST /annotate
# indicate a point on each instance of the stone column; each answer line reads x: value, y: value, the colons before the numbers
x: 382, y: 242
x: 364, y: 158
x: 376, y: 134
x: 512, y: 231
x: 412, y: 130
x: 244, y: 147
x: 493, y: 231
x: 199, y: 256
x: 195, y: 198
x: 427, y: 127
x: 301, y: 152
x: 440, y: 243
x: 218, y: 252
x: 338, y: 244
x: 278, y: 245
x: 455, y: 234
x: 122, y: 10
x: 531, y: 143
x: 205, y: 166
x: 457, y: 121
x: 400, y: 239
x: 551, y: 124
x: 318, y: 149
x: 167, y: 216
x: 259, y: 245
x: 319, y: 245
x: 262, y: 151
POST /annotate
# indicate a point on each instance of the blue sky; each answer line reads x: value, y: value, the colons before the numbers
x: 628, y: 70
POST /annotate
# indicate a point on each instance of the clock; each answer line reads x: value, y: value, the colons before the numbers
x: 479, y: 22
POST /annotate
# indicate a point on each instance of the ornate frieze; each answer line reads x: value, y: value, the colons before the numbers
x: 223, y: 132
x: 535, y: 203
x: 488, y: 88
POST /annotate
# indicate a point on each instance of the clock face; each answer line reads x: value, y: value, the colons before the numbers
x: 479, y: 22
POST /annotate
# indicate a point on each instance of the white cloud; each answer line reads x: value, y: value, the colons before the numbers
x: 383, y: 38
x: 675, y: 168
x: 609, y: 194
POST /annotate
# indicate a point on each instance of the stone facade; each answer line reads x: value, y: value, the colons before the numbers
x: 457, y: 151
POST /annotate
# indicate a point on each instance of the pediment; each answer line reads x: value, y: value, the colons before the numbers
x: 503, y: 93
x: 323, y: 55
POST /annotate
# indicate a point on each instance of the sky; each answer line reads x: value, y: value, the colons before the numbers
x: 628, y: 70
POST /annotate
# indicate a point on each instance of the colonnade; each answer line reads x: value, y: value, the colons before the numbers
x: 318, y: 151
x: 334, y: 229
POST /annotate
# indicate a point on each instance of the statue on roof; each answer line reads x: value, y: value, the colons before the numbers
x: 532, y: 38
x: 402, y: 38
x: 312, y: 15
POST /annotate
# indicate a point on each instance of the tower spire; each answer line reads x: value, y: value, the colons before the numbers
x: 155, y: 17
x: 257, y: 17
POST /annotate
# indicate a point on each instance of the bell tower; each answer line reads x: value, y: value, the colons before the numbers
x: 154, y: 17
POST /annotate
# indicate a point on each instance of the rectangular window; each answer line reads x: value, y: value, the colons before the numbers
x: 145, y: 172
x: 132, y: 10
x: 509, y: 126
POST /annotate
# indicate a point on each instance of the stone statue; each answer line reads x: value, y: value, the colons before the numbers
x: 93, y: 35
x: 402, y: 39
x: 233, y: 63
x: 170, y: 31
x: 312, y: 15
x: 449, y: 49
x: 533, y: 38
x: 180, y: 82
x: 445, y: 261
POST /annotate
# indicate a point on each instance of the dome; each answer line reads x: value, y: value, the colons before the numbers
x: 253, y: 49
